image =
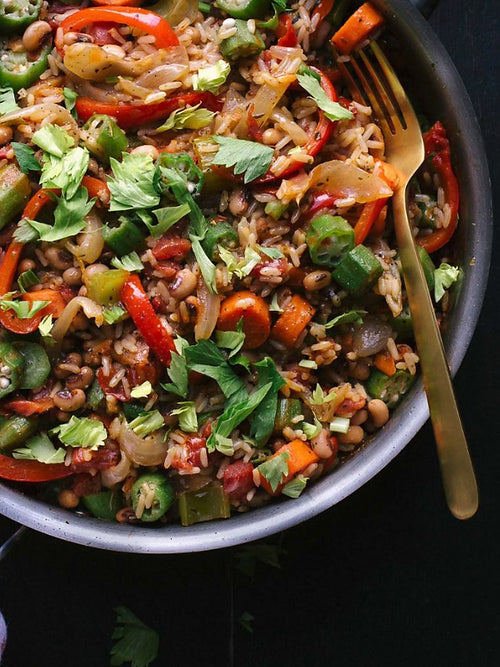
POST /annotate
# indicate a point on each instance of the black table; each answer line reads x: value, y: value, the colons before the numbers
x: 387, y: 577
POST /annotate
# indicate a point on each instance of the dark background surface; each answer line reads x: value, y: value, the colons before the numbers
x: 387, y: 577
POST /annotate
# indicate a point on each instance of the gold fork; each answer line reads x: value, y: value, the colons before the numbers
x: 381, y: 88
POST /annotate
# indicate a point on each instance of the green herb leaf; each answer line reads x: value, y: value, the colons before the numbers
x: 273, y: 253
x: 25, y: 156
x: 230, y: 340
x: 26, y: 280
x: 206, y: 266
x: 247, y: 557
x: 191, y: 118
x: 245, y: 620
x: 275, y: 469
x: 70, y: 97
x: 23, y: 309
x: 332, y: 110
x: 40, y: 448
x: 53, y: 139
x: 205, y: 357
x: 142, y: 390
x: 247, y: 157
x: 262, y: 422
x: 24, y: 232
x: 82, y: 432
x: 147, y: 423
x: 66, y: 172
x: 132, y: 186
x: 113, y: 313
x: 135, y: 643
x: 211, y: 78
x: 45, y: 326
x: 7, y: 101
x: 319, y: 397
x: 167, y: 217
x: 345, y: 318
x: 178, y: 371
x: 295, y: 487
x: 69, y: 217
x: 188, y: 419
x: 234, y: 415
x: 312, y: 430
x: 130, y: 262
x: 444, y: 277
x: 239, y: 267
x: 274, y: 305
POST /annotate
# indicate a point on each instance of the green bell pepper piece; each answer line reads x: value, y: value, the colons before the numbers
x: 288, y: 408
x: 17, y: 14
x: 389, y: 388
x: 124, y: 238
x: 18, y: 70
x: 103, y: 505
x: 106, y: 287
x: 275, y: 209
x: 36, y: 365
x: 95, y: 395
x: 208, y: 503
x: 220, y: 234
x: 104, y: 138
x: 245, y: 9
x: 15, y: 191
x: 242, y: 44
x: 329, y: 238
x: 14, y: 431
x: 428, y: 267
x: 358, y: 270
x: 163, y: 495
x: 403, y: 325
x: 11, y: 369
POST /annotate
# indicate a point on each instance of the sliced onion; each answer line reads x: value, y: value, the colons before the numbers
x: 289, y: 126
x: 293, y: 189
x: 90, y: 242
x: 208, y: 312
x: 45, y: 113
x: 174, y: 66
x: 347, y: 181
x: 370, y: 337
x: 148, y: 451
x: 63, y: 323
x: 175, y: 11
x: 117, y: 473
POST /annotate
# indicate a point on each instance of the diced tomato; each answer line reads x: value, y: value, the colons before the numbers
x: 172, y: 247
x: 83, y: 459
x: 85, y: 484
x: 281, y: 264
x: 238, y: 480
x: 190, y: 457
x: 348, y: 407
x: 100, y: 33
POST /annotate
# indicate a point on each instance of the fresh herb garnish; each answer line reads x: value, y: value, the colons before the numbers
x: 27, y: 279
x: 7, y: 101
x: 146, y: 423
x: 82, y: 432
x: 142, y: 390
x: 23, y: 309
x: 25, y: 156
x: 355, y: 316
x: 133, y: 184
x: 247, y: 157
x: 275, y: 469
x: 444, y: 277
x: 188, y: 419
x: 262, y: 422
x: 295, y: 487
x: 130, y: 262
x: 191, y: 118
x: 167, y: 217
x: 212, y: 77
x: 135, y: 642
x: 40, y: 448
x: 332, y: 110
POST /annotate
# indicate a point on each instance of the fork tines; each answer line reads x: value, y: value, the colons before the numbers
x: 372, y: 81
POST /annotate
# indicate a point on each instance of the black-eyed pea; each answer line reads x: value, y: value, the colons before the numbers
x: 379, y: 412
x: 359, y: 418
x: 34, y: 34
x: 354, y: 436
x: 317, y: 280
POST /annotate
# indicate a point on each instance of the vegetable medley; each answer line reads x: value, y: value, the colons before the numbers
x: 201, y: 302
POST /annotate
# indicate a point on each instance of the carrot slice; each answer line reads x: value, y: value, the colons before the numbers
x: 385, y: 363
x: 357, y: 28
x: 300, y: 457
x: 253, y: 311
x: 293, y: 321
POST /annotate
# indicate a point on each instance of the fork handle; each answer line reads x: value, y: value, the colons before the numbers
x: 459, y: 481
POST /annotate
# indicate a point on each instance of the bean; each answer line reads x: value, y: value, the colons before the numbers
x: 34, y: 34
x: 69, y: 401
x: 68, y: 499
x: 184, y: 284
x: 354, y: 436
x: 72, y: 276
x: 359, y: 418
x: 237, y: 202
x: 146, y: 149
x: 82, y: 380
x: 379, y: 412
x: 316, y: 280
x: 271, y: 136
x: 95, y: 268
x: 58, y: 258
x: 320, y: 444
x: 6, y: 134
x: 26, y: 265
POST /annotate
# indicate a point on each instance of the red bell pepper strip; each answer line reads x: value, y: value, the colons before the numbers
x: 132, y: 115
x: 21, y: 470
x: 143, y: 19
x: 139, y: 307
x: 118, y: 3
x: 322, y: 9
x: 285, y: 32
x: 437, y: 152
x: 27, y: 408
x: 372, y: 210
x: 319, y: 137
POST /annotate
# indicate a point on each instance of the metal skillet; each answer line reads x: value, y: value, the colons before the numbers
x: 443, y: 96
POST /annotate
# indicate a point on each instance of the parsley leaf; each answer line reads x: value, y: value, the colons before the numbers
x: 177, y: 371
x: 345, y: 318
x: 249, y: 555
x: 53, y: 139
x: 142, y: 390
x: 167, y: 217
x: 332, y: 110
x: 274, y: 305
x: 205, y: 357
x: 247, y: 157
x: 65, y: 172
x: 147, y: 423
x: 319, y: 397
x: 24, y: 232
x: 70, y: 97
x: 82, y: 432
x: 273, y: 253
x: 242, y: 267
x: 112, y: 314
x: 188, y: 419
x: 132, y: 186
x: 191, y: 118
x: 25, y: 156
x: 444, y: 277
x: 262, y: 422
x: 234, y: 415
x: 231, y: 340
x: 40, y: 448
x: 295, y: 487
x: 7, y: 101
x: 23, y: 309
x: 136, y: 642
x: 275, y: 469
x: 45, y: 327
x: 211, y: 78
x: 130, y: 262
x: 27, y: 279
x: 68, y: 217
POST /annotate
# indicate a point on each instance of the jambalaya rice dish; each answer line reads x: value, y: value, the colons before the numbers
x: 201, y: 301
